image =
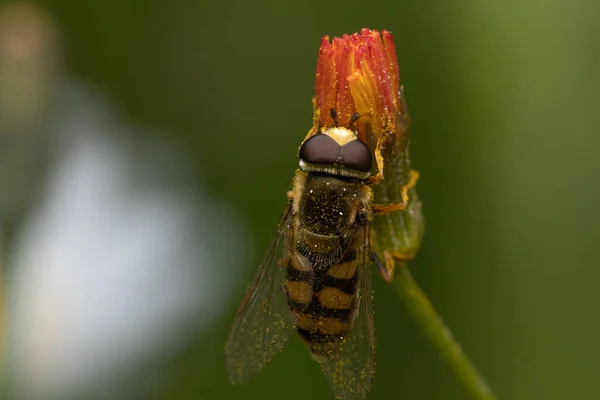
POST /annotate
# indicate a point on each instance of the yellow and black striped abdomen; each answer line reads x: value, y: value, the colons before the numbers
x: 322, y: 276
x: 322, y: 296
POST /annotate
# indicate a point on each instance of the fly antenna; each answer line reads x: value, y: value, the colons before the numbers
x: 353, y: 119
x: 333, y: 116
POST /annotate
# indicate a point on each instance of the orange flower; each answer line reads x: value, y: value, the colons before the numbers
x: 358, y: 73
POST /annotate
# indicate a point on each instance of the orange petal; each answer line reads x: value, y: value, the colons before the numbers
x: 358, y: 73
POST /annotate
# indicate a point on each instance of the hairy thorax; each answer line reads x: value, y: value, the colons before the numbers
x: 325, y: 210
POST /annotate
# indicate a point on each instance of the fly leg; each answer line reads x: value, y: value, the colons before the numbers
x: 379, y: 209
x: 383, y: 270
x: 387, y: 266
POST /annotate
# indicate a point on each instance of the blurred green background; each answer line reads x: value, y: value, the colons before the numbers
x: 504, y: 100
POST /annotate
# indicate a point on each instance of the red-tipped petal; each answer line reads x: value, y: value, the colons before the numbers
x: 344, y: 53
x: 325, y: 82
x: 358, y: 73
x: 390, y: 52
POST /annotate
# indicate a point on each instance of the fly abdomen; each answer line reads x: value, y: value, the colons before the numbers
x: 299, y: 286
x: 328, y: 315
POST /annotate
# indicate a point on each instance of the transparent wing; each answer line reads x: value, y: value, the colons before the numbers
x: 349, y: 365
x: 263, y: 323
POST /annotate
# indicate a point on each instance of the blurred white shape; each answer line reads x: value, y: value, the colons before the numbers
x: 118, y: 264
x: 121, y: 261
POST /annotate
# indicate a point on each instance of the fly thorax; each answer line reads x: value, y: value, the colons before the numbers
x: 328, y: 205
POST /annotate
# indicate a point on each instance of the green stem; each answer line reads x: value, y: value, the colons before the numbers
x: 439, y: 335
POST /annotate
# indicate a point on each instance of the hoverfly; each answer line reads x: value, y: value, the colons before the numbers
x: 314, y: 278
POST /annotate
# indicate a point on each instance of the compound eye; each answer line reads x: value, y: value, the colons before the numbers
x: 319, y: 149
x: 357, y: 156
